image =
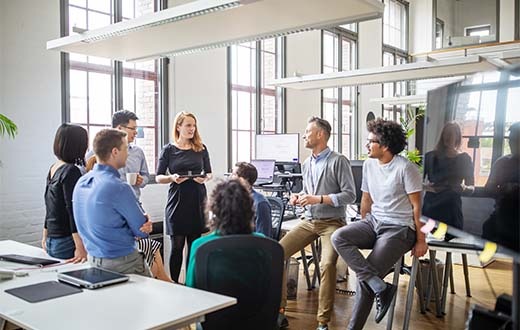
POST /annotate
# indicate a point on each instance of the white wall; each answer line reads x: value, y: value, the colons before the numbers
x: 30, y: 95
x: 370, y: 56
x: 303, y: 57
x: 507, y: 20
x: 200, y: 86
x: 421, y: 24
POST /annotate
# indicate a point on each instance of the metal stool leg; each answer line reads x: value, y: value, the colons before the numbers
x: 420, y: 287
x: 466, y: 274
x: 306, y: 270
x: 447, y: 273
x: 435, y: 279
x: 452, y: 282
x: 316, y: 259
x: 397, y: 269
x: 409, y: 296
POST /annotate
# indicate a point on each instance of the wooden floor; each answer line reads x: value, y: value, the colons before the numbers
x: 486, y: 284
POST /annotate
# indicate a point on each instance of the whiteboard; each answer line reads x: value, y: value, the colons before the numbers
x: 280, y: 147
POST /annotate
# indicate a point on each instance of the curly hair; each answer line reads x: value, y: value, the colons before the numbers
x: 389, y: 133
x: 232, y: 206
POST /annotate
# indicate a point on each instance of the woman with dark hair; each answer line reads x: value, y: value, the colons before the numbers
x: 231, y: 213
x: 447, y: 172
x: 187, y: 161
x: 60, y: 236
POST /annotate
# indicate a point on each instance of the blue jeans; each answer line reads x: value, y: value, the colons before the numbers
x: 60, y: 247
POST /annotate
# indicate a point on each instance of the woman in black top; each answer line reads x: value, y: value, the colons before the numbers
x: 60, y: 236
x: 445, y: 169
x: 187, y: 161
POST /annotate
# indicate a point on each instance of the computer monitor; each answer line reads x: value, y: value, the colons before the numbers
x: 281, y: 147
x: 265, y: 169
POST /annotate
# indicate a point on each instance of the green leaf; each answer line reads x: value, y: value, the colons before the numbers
x: 7, y: 127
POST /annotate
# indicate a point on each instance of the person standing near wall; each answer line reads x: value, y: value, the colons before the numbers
x: 60, y: 237
x: 185, y: 158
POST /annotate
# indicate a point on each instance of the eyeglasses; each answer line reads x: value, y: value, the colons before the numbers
x: 130, y: 128
x: 372, y: 141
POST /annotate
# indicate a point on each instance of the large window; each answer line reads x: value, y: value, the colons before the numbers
x: 339, y: 54
x: 485, y: 108
x: 97, y: 87
x: 255, y: 107
x: 394, y: 89
x: 395, y: 24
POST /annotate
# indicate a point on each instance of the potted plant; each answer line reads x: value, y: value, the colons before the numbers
x: 7, y: 127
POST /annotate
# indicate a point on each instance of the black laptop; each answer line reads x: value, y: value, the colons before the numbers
x: 28, y: 260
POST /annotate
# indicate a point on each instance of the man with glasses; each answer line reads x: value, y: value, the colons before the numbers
x: 125, y: 120
x: 390, y: 212
x: 328, y: 186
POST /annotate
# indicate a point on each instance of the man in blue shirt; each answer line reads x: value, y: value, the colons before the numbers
x: 249, y: 174
x: 107, y: 213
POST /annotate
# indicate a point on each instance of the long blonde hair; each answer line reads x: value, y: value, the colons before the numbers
x: 196, y: 141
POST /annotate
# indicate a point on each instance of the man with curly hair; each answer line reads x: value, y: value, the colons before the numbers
x: 390, y: 211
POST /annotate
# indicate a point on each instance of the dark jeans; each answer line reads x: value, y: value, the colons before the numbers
x: 60, y: 247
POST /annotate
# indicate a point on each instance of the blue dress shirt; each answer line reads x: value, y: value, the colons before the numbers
x: 107, y: 213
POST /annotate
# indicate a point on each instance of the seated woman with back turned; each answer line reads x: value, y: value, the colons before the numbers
x: 231, y: 208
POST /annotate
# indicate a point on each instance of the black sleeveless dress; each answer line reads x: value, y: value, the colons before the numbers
x: 186, y: 201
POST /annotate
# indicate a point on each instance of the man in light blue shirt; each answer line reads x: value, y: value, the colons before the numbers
x: 136, y: 163
x: 107, y: 213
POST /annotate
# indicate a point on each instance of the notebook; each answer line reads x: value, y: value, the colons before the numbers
x: 43, y: 291
x: 92, y: 278
x: 265, y: 169
x: 27, y: 260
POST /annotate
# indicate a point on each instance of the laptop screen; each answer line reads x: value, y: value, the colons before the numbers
x: 265, y: 169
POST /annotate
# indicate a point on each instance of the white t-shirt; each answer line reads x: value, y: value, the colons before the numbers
x: 389, y: 185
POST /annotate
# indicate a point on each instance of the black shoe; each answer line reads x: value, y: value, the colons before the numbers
x: 384, y: 300
x: 282, y: 321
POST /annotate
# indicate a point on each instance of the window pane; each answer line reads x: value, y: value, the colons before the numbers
x: 97, y: 20
x: 146, y: 141
x: 78, y: 96
x: 100, y: 5
x: 512, y: 112
x: 80, y: 3
x: 100, y: 98
x: 78, y: 18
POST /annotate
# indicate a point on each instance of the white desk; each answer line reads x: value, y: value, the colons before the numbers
x: 141, y: 303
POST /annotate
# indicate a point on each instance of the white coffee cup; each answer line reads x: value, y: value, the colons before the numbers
x: 131, y: 178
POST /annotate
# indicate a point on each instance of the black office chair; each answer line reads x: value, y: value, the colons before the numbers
x: 277, y: 212
x: 248, y: 268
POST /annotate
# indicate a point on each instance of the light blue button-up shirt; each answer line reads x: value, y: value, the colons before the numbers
x: 107, y: 213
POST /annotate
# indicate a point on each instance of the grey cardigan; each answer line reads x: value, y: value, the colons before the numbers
x: 335, y: 179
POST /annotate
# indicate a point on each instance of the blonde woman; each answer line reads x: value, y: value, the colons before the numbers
x: 189, y: 168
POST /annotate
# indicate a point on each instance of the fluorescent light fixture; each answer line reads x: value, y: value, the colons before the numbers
x: 410, y: 71
x: 209, y: 24
x: 398, y: 100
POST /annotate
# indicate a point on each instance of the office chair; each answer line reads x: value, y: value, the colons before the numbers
x: 277, y: 212
x: 248, y: 268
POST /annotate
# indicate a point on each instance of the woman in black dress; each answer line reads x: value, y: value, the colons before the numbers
x: 445, y: 169
x: 187, y: 161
